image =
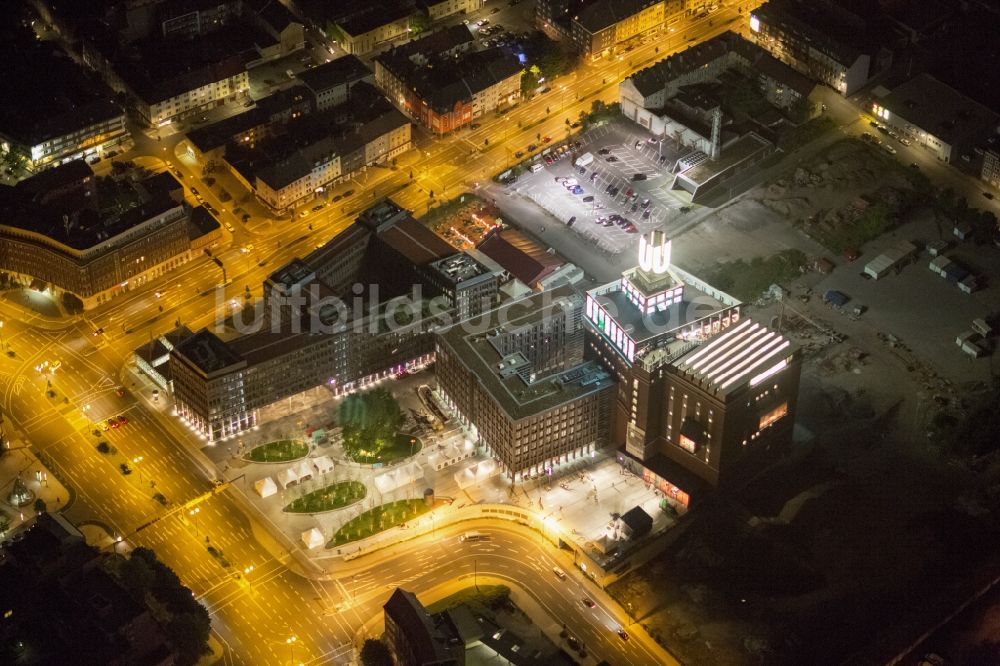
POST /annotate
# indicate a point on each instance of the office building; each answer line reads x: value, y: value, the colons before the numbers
x: 518, y: 380
x: 705, y: 395
x: 56, y: 233
x: 316, y: 331
x: 937, y: 117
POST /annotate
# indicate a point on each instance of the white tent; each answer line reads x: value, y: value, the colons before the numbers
x: 313, y: 538
x: 323, y: 464
x: 398, y: 477
x: 287, y: 477
x: 476, y: 473
x: 303, y: 470
x: 265, y: 487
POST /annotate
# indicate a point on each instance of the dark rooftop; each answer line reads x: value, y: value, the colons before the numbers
x: 603, y: 14
x: 346, y: 69
x: 415, y: 242
x: 377, y: 15
x: 519, y: 255
x: 207, y: 352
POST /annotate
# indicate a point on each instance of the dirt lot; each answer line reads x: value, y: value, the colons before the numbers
x: 871, y: 524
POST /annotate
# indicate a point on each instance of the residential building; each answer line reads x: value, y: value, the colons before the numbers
x: 991, y: 167
x: 58, y: 233
x: 316, y: 331
x: 519, y: 382
x: 417, y: 638
x: 937, y: 117
x: 705, y: 395
x: 439, y: 9
x: 363, y: 33
x: 330, y: 83
x: 73, y: 116
x: 820, y: 41
x: 599, y: 26
x: 443, y: 84
x: 322, y: 148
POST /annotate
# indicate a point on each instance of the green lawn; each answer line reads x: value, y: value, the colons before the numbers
x: 379, y: 519
x: 334, y: 496
x: 397, y: 449
x: 488, y: 596
x: 282, y: 450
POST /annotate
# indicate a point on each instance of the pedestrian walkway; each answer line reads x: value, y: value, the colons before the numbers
x: 42, y: 491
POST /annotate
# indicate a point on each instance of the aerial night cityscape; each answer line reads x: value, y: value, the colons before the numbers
x: 474, y: 332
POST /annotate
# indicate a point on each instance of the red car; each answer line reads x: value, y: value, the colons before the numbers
x: 546, y: 139
x: 623, y: 634
x: 548, y: 159
x: 122, y: 420
x: 588, y: 602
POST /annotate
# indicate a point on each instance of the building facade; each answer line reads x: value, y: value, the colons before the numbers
x: 938, y: 117
x: 782, y: 29
x: 366, y: 32
x: 705, y: 396
x: 598, y: 27
x: 70, y: 248
x: 523, y: 387
x: 316, y: 332
x: 991, y: 167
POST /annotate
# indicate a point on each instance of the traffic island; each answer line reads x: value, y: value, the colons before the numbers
x: 398, y: 447
x: 332, y: 497
x: 282, y: 450
x: 378, y: 519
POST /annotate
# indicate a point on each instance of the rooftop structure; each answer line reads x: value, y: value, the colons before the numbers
x: 519, y: 255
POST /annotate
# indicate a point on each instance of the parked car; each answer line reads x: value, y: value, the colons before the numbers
x: 638, y: 176
x: 589, y: 198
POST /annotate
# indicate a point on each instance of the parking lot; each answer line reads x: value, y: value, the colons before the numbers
x: 623, y: 192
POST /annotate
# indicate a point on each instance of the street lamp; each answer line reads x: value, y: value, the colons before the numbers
x: 136, y: 461
x: 246, y: 573
x: 3, y: 345
x: 291, y: 646
x: 194, y: 512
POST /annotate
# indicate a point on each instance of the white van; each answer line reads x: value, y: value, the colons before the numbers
x: 560, y: 574
x: 472, y: 536
x: 535, y: 168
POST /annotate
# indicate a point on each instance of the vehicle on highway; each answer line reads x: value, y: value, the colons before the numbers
x: 120, y: 392
x: 623, y: 634
x: 348, y: 193
x: 122, y: 420
x: 211, y: 209
x: 560, y: 574
x: 588, y: 602
x: 318, y: 207
x: 229, y: 227
x: 519, y: 154
x: 495, y: 10
x: 178, y: 173
x: 100, y: 330
x: 194, y: 191
x: 474, y: 126
x: 338, y: 198
x: 472, y: 536
x: 573, y: 642
x: 546, y: 139
x: 303, y: 213
x: 532, y: 147
x: 111, y: 423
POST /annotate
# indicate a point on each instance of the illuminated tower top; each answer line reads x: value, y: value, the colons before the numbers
x: 654, y: 252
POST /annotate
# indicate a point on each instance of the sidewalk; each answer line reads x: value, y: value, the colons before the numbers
x: 40, y: 481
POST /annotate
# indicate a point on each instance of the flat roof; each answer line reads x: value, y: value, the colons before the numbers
x: 745, y: 354
x: 207, y: 352
x: 820, y: 28
x: 939, y: 109
x: 519, y: 255
x: 346, y: 69
x: 695, y: 305
x: 459, y: 268
x: 516, y: 397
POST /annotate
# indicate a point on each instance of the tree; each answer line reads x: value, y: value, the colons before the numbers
x: 369, y: 420
x: 375, y: 653
x: 72, y: 303
x: 419, y: 22
x: 529, y: 79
